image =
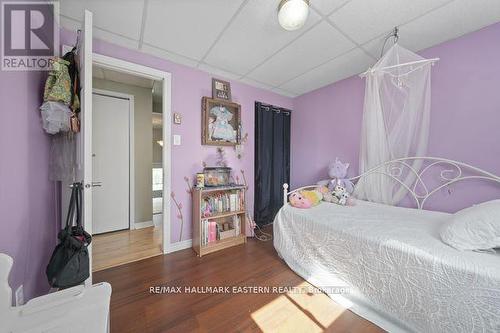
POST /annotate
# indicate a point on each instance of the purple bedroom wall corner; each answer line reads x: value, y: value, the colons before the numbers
x: 465, y: 113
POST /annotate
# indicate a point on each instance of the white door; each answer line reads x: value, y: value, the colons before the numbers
x: 111, y: 163
x: 84, y: 138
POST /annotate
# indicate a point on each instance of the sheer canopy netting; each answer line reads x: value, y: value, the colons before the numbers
x: 395, y: 123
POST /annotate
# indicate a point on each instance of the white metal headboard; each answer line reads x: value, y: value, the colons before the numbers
x: 451, y: 172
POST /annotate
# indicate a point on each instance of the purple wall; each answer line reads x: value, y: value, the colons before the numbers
x: 188, y: 87
x: 27, y: 205
x: 464, y: 122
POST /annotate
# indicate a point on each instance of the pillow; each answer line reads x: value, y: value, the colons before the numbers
x: 305, y: 199
x: 474, y: 228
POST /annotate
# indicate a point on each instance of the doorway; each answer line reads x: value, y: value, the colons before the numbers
x: 83, y: 139
x: 127, y: 214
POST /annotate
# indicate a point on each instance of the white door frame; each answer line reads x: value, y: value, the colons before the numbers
x: 166, y: 78
x: 131, y: 149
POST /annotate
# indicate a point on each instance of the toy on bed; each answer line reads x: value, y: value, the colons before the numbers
x: 305, y: 199
x: 339, y: 195
x: 338, y: 174
x: 342, y: 196
x: 327, y: 194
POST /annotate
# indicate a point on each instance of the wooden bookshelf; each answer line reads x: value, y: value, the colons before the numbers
x: 203, y: 247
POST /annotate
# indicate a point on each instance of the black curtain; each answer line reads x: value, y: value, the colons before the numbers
x: 272, y: 160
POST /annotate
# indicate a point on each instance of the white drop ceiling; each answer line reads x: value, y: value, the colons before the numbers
x: 241, y: 39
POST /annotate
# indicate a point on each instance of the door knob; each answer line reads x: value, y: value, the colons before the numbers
x: 96, y: 184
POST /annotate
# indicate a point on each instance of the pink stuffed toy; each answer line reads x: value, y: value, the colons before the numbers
x: 305, y: 199
x: 299, y: 201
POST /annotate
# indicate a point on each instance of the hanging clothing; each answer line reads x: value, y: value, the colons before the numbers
x: 62, y: 162
x: 74, y: 75
x: 272, y: 160
x: 56, y: 117
x: 396, y: 117
x: 60, y: 116
x: 58, y: 84
x: 221, y: 129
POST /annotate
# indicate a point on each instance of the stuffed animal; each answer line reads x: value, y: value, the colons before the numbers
x: 338, y: 174
x: 305, y: 199
x: 327, y: 194
x: 341, y: 196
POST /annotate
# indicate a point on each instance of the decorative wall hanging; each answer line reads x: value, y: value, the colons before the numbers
x: 178, y: 205
x: 177, y: 118
x: 221, y: 157
x: 189, y: 189
x: 221, y: 122
x: 221, y: 90
x: 240, y: 147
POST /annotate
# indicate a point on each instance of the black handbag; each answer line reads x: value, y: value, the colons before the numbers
x: 69, y: 264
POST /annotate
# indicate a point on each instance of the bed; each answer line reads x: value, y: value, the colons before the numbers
x: 391, y: 261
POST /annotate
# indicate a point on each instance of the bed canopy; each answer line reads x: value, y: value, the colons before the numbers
x: 395, y: 124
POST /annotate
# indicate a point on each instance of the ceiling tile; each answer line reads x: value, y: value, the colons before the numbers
x: 256, y: 84
x: 115, y: 39
x: 168, y: 55
x: 187, y: 27
x: 122, y: 17
x: 73, y: 25
x: 451, y: 21
x: 347, y: 65
x: 374, y: 47
x: 284, y: 92
x: 253, y: 36
x: 325, y: 7
x: 219, y: 73
x: 184, y: 30
x: 302, y: 55
x: 364, y: 20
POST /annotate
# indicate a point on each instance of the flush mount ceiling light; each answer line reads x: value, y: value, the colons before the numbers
x: 292, y: 14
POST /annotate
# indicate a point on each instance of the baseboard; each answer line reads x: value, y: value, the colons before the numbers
x: 142, y: 225
x: 186, y: 244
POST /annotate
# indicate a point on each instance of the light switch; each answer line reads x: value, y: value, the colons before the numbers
x: 177, y: 140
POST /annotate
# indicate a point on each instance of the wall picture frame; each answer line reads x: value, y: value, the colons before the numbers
x: 221, y: 89
x: 221, y: 122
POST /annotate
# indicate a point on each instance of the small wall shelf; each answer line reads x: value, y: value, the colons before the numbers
x: 228, y: 207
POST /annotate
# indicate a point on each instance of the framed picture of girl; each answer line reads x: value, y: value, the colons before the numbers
x: 221, y: 122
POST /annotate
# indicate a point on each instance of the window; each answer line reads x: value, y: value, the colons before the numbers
x: 157, y: 179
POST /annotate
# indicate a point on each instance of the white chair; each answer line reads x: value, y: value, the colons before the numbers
x: 74, y: 310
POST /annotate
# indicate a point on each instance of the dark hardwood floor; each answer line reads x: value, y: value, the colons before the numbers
x: 135, y: 309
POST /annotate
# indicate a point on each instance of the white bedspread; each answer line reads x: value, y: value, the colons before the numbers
x: 401, y: 275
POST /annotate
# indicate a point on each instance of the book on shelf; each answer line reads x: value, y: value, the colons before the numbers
x: 236, y: 224
x: 219, y: 203
x: 212, y: 231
